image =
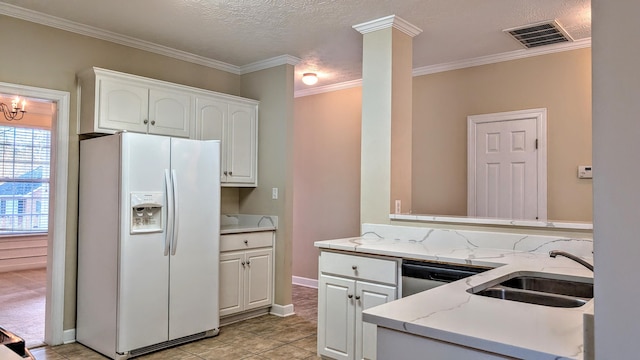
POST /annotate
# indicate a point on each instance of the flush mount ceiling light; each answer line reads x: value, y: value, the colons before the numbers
x: 309, y: 78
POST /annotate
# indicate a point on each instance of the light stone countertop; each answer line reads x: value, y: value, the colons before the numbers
x: 449, y: 313
x: 241, y: 223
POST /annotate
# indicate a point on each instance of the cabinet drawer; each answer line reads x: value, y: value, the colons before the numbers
x: 359, y: 267
x: 244, y: 241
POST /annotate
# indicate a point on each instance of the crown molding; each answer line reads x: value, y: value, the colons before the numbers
x: 269, y: 63
x: 483, y: 60
x: 74, y: 27
x: 328, y: 88
x: 386, y: 22
x: 506, y: 56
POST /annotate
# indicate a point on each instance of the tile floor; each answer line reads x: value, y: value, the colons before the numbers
x: 22, y: 300
x: 264, y: 337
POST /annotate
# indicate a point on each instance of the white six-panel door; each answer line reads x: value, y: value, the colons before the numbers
x: 507, y: 166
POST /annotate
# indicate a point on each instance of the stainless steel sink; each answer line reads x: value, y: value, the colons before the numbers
x: 541, y: 290
x: 553, y: 286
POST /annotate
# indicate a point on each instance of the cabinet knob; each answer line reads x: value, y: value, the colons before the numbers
x: 242, y: 264
x: 145, y: 121
x: 349, y: 296
x: 153, y: 122
x: 230, y: 173
x: 225, y: 173
x: 246, y: 242
x: 354, y: 267
x: 357, y: 297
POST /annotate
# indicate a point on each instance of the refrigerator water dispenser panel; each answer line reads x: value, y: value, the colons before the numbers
x: 146, y: 212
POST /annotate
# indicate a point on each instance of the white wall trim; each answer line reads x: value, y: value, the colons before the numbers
x: 56, y: 242
x: 506, y: 56
x: 69, y: 336
x: 328, y: 88
x: 540, y: 115
x: 306, y: 282
x: 74, y: 27
x: 387, y: 22
x: 269, y: 63
x: 456, y: 65
x: 282, y: 310
x: 78, y: 28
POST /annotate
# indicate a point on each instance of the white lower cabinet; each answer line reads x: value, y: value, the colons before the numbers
x: 348, y: 285
x: 246, y: 272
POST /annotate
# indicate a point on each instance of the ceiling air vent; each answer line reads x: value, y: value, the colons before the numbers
x: 540, y: 34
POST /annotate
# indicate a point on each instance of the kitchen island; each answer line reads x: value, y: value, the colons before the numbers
x: 449, y: 318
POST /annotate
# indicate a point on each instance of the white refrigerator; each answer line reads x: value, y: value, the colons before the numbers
x: 148, y: 242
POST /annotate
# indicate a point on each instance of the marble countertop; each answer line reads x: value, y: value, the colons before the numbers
x: 550, y: 224
x: 241, y: 223
x: 449, y: 313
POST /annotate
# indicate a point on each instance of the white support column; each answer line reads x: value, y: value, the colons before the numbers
x: 386, y: 117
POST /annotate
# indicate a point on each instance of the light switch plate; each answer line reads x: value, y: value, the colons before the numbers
x: 274, y: 193
x: 585, y: 172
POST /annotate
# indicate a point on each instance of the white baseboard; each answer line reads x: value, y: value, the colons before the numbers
x: 69, y: 336
x: 282, y: 310
x: 310, y: 283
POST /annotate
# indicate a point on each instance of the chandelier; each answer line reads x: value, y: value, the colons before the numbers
x: 15, y: 112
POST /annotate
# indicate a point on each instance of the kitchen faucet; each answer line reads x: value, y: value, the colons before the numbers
x: 554, y: 253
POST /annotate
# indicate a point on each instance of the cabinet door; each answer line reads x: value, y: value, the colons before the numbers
x: 367, y: 296
x: 169, y: 112
x: 242, y: 144
x: 123, y: 105
x: 231, y: 282
x: 336, y: 317
x: 258, y: 278
x: 211, y: 124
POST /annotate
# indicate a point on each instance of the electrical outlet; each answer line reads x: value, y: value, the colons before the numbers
x: 398, y: 206
x: 274, y: 193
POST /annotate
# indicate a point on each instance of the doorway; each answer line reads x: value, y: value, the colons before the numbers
x: 56, y: 236
x: 25, y: 163
x: 507, y: 165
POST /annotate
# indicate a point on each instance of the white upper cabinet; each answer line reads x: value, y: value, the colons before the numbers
x: 112, y: 101
x: 242, y: 144
x: 169, y: 112
x: 234, y: 122
x: 122, y: 106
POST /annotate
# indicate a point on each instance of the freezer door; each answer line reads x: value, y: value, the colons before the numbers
x: 193, y: 292
x: 143, y: 302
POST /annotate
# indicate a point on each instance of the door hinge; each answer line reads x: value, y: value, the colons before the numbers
x: 536, y: 144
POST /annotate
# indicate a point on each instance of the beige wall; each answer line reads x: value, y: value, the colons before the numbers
x: 560, y: 82
x: 50, y: 58
x: 441, y: 104
x: 274, y: 88
x: 326, y: 195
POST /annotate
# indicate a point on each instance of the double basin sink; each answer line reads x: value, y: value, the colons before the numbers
x: 540, y: 289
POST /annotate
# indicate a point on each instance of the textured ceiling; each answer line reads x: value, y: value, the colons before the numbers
x: 241, y: 32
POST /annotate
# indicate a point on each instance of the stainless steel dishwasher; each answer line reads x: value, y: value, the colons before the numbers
x: 418, y: 276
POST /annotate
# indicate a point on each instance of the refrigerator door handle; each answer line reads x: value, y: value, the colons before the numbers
x: 176, y: 212
x: 168, y: 237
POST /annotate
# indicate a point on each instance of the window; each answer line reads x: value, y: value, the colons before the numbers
x: 24, y: 180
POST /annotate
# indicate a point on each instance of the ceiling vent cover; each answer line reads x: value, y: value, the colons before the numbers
x: 539, y: 34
